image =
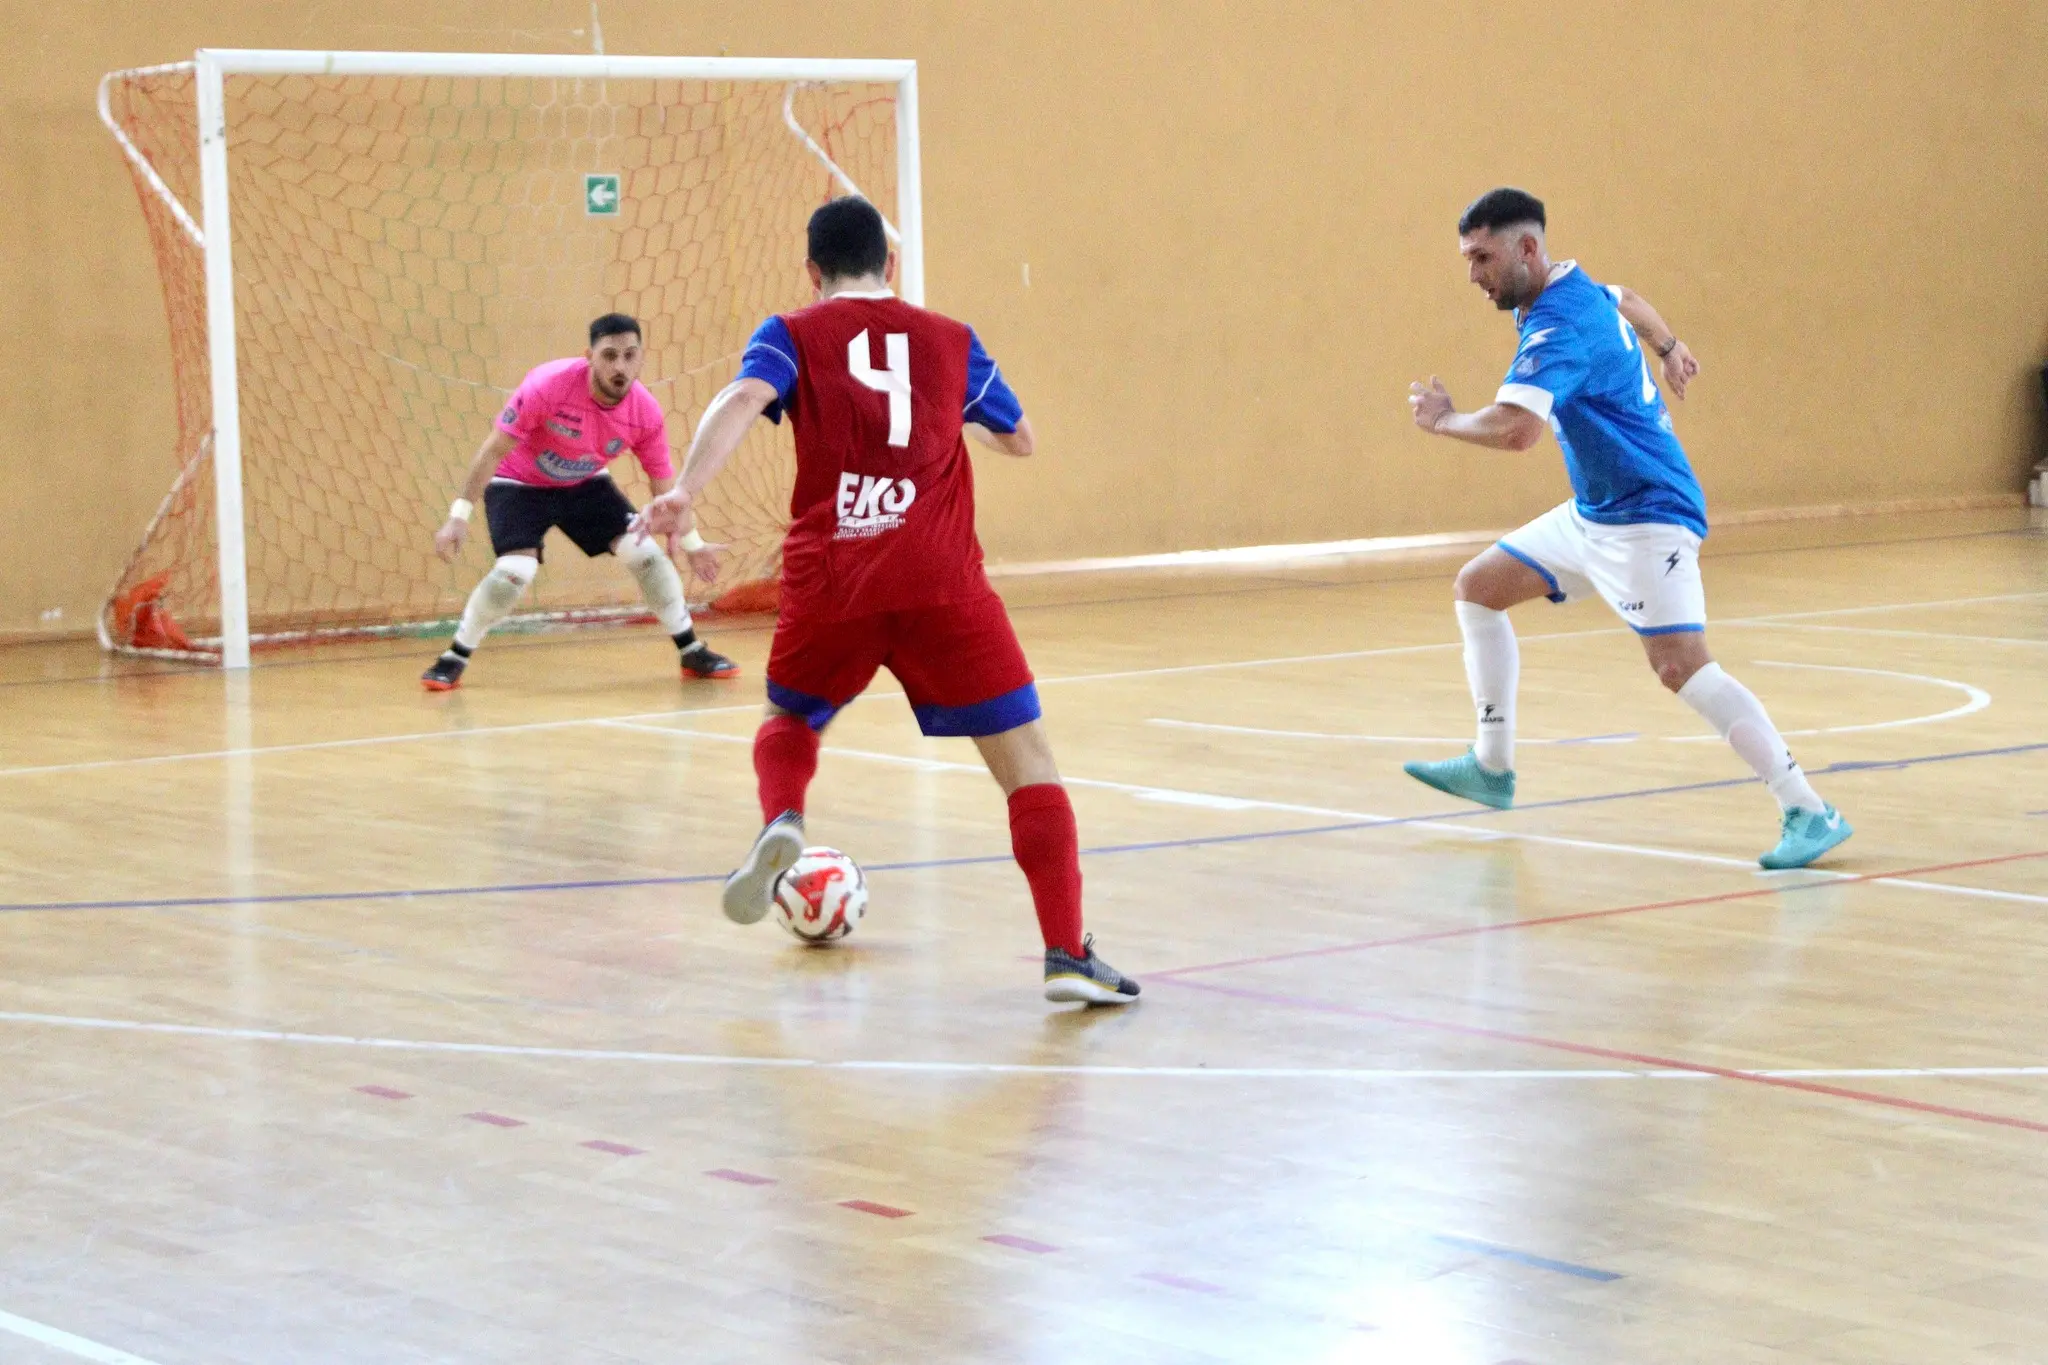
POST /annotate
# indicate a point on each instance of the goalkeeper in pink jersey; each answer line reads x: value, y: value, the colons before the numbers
x: 544, y: 466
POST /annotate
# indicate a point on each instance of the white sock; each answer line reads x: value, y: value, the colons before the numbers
x: 660, y: 584
x: 494, y: 598
x: 1733, y: 710
x: 1493, y: 665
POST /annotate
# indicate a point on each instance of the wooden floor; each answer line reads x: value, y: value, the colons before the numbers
x: 345, y: 1023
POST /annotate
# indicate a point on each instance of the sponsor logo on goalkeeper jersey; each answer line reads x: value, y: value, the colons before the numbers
x: 564, y: 430
x: 510, y: 414
x: 871, y: 506
x: 614, y: 445
x: 560, y: 466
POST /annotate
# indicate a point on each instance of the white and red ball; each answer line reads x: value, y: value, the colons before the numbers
x: 822, y: 896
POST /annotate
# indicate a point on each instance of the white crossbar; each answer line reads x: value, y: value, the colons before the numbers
x: 283, y: 62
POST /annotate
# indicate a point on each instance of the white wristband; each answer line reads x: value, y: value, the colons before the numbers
x: 691, y: 541
x: 460, y: 509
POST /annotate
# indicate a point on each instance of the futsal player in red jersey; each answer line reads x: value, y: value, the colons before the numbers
x: 881, y: 567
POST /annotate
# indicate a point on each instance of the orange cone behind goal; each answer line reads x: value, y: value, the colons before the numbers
x: 141, y: 621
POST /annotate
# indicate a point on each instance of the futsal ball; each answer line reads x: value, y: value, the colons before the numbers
x: 822, y: 896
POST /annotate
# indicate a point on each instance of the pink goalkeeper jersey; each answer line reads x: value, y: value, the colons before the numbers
x: 564, y: 435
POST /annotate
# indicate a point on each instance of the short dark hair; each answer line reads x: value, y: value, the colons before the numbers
x: 1501, y: 208
x: 613, y: 324
x: 846, y: 239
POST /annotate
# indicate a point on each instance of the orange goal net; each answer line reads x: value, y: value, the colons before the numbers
x: 405, y: 244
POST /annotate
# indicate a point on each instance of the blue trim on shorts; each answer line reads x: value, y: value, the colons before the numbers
x: 1663, y: 630
x: 816, y: 711
x: 990, y: 717
x: 1556, y: 592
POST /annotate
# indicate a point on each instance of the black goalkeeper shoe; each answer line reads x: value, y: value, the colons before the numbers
x: 702, y: 661
x: 445, y: 675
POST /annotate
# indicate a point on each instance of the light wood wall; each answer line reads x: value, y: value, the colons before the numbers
x: 1211, y: 242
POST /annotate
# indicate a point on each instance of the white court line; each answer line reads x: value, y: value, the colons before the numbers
x: 1978, y: 700
x: 713, y: 1059
x: 1905, y: 634
x: 67, y: 1343
x: 1170, y: 723
x: 1893, y: 606
x: 261, y: 750
x: 1214, y: 801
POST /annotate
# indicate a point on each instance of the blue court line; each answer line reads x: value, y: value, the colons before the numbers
x: 977, y: 860
x: 1584, y: 1272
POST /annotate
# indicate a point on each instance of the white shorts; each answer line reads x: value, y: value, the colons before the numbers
x: 1648, y: 572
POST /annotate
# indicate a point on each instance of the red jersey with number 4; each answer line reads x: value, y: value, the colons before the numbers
x: 882, y: 517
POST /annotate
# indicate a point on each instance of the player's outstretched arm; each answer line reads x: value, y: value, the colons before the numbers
x: 448, y: 540
x: 1677, y: 357
x: 1497, y: 426
x: 1019, y: 442
x: 719, y: 433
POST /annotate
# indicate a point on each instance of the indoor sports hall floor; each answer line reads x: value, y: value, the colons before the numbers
x: 345, y: 1023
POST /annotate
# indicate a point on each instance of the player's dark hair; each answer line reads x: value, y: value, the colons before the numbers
x: 613, y: 324
x: 846, y: 239
x: 1501, y: 208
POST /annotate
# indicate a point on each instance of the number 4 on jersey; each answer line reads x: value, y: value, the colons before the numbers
x: 894, y: 381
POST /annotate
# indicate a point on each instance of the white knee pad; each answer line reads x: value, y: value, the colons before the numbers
x: 509, y: 579
x: 495, y: 597
x: 636, y: 553
x: 660, y: 584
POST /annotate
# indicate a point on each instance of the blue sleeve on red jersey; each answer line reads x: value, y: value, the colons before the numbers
x: 989, y: 399
x: 771, y: 358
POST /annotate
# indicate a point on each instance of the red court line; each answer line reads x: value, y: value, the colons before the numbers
x: 1644, y: 1059
x: 613, y: 1148
x: 879, y: 1210
x: 1433, y: 935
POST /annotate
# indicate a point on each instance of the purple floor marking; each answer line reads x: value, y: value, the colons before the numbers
x: 1152, y: 846
x: 614, y: 1148
x: 1181, y: 1282
x: 1583, y: 1272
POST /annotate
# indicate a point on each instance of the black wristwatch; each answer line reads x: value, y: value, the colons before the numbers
x: 1668, y: 347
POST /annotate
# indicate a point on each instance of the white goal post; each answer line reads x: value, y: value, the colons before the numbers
x: 213, y: 67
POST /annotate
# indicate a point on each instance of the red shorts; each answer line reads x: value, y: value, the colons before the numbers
x: 960, y: 666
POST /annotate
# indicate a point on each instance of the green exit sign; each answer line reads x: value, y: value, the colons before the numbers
x: 601, y: 195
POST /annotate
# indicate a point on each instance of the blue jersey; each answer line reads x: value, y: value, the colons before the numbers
x: 1580, y: 368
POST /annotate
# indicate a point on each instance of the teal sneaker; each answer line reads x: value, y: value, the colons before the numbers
x: 1806, y: 834
x: 1462, y: 776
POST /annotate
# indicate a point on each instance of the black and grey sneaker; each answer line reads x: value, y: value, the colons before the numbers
x: 1086, y: 978
x: 751, y: 889
x: 445, y: 674
x: 702, y: 661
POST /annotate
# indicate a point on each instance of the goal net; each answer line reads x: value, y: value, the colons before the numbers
x: 408, y: 235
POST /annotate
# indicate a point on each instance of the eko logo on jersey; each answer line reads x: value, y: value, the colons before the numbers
x: 871, y: 506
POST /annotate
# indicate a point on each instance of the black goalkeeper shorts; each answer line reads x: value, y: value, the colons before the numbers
x: 592, y: 514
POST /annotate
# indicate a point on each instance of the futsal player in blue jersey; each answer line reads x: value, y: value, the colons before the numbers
x: 1631, y: 533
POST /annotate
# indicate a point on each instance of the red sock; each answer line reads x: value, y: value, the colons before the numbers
x: 1048, y: 848
x: 785, y: 760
